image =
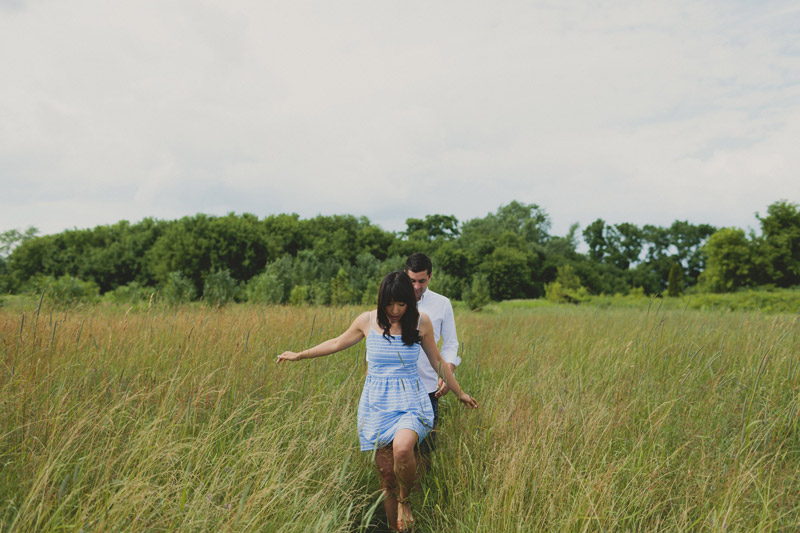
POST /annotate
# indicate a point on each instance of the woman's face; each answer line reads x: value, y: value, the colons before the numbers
x: 395, y: 311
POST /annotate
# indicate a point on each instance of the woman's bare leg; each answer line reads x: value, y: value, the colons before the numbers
x: 405, y: 472
x: 384, y: 461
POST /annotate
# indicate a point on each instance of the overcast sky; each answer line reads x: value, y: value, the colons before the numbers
x: 642, y: 112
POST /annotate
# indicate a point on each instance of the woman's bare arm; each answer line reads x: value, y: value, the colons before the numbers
x: 347, y: 339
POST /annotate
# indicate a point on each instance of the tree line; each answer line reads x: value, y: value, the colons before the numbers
x: 340, y: 259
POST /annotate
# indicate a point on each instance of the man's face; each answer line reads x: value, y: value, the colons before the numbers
x: 420, y: 281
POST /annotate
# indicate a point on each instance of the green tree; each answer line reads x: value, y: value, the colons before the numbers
x: 452, y: 259
x: 283, y: 270
x: 365, y: 276
x: 658, y: 240
x: 447, y: 285
x: 620, y: 245
x: 729, y: 263
x: 203, y: 244
x: 8, y: 241
x: 566, y: 288
x: 178, y: 289
x: 11, y: 238
x: 66, y: 290
x: 594, y: 236
x: 508, y: 247
x: 625, y: 241
x: 778, y: 257
x: 133, y: 292
x: 559, y: 251
x: 110, y: 256
x: 305, y: 268
x: 527, y: 222
x: 509, y: 274
x: 298, y: 295
x: 320, y: 292
x: 219, y: 287
x: 675, y: 284
x: 643, y: 256
x: 114, y: 255
x: 286, y: 234
x: 341, y: 292
x: 267, y: 287
x: 688, y: 240
x: 404, y: 247
x: 432, y: 227
x: 476, y: 295
x: 343, y: 237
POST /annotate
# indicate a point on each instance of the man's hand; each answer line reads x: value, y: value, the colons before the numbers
x: 442, y: 389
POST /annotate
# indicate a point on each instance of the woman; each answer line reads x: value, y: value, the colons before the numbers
x: 394, y: 413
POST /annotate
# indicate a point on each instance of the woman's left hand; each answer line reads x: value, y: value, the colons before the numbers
x: 288, y: 356
x: 468, y: 400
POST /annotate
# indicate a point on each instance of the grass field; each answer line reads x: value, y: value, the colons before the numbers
x: 178, y: 419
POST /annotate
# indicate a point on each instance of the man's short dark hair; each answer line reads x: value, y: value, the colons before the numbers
x: 418, y: 262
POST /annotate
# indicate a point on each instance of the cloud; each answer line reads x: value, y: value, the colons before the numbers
x: 625, y: 111
x: 11, y: 5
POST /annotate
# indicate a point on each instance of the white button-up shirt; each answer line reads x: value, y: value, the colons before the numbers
x: 440, y: 311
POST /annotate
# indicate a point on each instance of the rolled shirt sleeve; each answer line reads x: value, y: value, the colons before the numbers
x: 440, y: 311
x: 449, y: 337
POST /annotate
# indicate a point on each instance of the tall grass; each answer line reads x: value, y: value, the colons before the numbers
x: 766, y: 301
x: 178, y: 419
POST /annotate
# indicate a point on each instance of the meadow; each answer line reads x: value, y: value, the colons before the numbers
x: 161, y: 418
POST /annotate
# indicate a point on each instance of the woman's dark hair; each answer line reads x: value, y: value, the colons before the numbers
x: 397, y: 286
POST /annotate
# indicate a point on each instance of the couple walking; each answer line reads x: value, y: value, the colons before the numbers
x: 398, y: 408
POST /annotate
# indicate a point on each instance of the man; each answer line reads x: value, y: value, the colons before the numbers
x: 438, y: 308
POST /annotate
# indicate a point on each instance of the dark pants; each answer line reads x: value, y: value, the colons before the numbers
x: 429, y: 442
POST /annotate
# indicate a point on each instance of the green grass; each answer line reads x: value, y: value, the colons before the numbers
x: 162, y: 419
x: 764, y: 301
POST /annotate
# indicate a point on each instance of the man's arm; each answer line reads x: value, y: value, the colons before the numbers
x: 435, y: 359
x: 449, y: 337
x: 449, y: 346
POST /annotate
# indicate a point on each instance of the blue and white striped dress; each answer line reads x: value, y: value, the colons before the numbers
x: 393, y: 397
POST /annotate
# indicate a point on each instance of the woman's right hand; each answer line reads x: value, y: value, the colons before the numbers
x: 468, y: 400
x: 288, y: 356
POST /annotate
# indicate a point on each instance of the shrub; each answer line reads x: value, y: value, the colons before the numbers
x: 370, y: 294
x: 178, y: 289
x: 341, y: 293
x: 477, y: 294
x: 66, y: 289
x: 447, y: 285
x: 675, y: 280
x: 5, y: 281
x: 266, y: 288
x: 320, y: 293
x: 566, y: 288
x: 219, y: 287
x: 766, y: 301
x: 131, y: 293
x: 299, y: 295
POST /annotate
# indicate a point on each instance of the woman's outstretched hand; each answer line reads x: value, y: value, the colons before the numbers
x: 288, y: 356
x: 468, y: 400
